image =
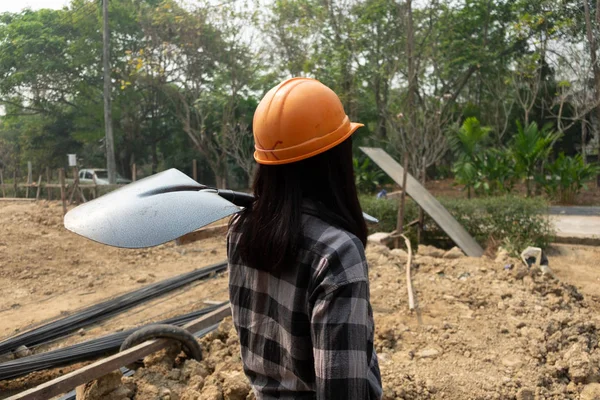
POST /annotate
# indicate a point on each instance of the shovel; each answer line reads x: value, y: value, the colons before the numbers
x: 155, y: 210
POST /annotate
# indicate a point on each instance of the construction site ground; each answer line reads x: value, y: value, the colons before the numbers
x: 484, y: 330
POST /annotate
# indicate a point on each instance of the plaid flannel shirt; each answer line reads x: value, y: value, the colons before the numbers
x: 307, y: 332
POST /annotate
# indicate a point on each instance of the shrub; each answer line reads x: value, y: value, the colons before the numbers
x: 530, y: 146
x: 467, y: 144
x: 367, y: 176
x: 515, y: 222
x: 566, y: 177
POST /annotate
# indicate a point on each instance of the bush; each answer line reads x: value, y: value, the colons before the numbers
x: 515, y: 222
x: 367, y: 176
x: 566, y: 177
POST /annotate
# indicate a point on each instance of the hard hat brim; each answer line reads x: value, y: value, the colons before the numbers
x: 353, y: 127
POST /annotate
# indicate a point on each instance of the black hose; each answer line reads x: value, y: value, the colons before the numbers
x: 84, y: 351
x: 104, y: 310
x: 163, y: 331
x: 127, y: 372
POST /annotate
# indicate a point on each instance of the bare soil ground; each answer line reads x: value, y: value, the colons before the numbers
x: 47, y: 271
x: 482, y: 332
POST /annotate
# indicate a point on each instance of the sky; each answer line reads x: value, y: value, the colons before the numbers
x: 18, y: 5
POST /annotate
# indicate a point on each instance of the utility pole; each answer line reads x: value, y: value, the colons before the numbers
x: 111, y: 164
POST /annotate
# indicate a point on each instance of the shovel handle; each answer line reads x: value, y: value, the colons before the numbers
x: 238, y: 198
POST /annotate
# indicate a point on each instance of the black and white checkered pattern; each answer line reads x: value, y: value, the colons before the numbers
x: 307, y: 332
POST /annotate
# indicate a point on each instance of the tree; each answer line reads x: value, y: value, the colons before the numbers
x: 530, y: 147
x: 467, y: 144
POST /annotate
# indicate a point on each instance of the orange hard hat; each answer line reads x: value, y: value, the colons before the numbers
x: 298, y: 119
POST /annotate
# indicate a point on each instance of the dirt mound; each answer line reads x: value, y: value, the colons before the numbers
x: 166, y: 376
x: 488, y: 330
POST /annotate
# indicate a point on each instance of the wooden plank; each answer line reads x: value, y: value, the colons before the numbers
x: 202, y: 234
x: 426, y: 201
x: 102, y: 367
x: 15, y: 199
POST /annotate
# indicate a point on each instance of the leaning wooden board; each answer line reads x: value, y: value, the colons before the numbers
x: 427, y: 202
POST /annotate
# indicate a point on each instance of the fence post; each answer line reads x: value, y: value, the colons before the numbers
x: 2, y: 183
x: 29, y: 179
x: 48, y: 183
x: 61, y: 177
x: 195, y: 170
x: 95, y: 186
x: 134, y: 172
x: 39, y: 188
x: 15, y: 183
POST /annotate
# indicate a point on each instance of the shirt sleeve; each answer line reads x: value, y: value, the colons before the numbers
x: 342, y: 333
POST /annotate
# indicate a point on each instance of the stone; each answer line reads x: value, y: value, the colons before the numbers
x: 428, y: 353
x: 430, y: 251
x: 164, y: 393
x: 502, y: 256
x: 193, y: 368
x: 121, y: 392
x: 512, y: 361
x: 102, y: 386
x: 525, y: 394
x: 235, y: 386
x: 590, y: 392
x: 454, y: 253
x: 174, y: 374
x: 22, y: 351
x: 211, y: 393
x: 379, y: 238
x: 401, y: 254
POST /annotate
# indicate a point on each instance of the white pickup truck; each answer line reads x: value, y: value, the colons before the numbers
x: 87, y: 176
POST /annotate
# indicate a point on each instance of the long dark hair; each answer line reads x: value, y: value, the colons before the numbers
x: 271, y: 229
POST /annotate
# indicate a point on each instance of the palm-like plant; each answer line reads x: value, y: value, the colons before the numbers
x: 467, y: 144
x: 367, y: 176
x: 530, y: 147
x: 567, y: 176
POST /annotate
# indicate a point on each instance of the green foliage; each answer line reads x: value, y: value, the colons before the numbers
x: 187, y: 79
x: 566, y: 177
x: 367, y: 176
x: 515, y: 222
x: 467, y: 144
x: 497, y: 172
x: 530, y: 147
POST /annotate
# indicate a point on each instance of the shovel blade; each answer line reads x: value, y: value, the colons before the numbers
x: 149, y: 212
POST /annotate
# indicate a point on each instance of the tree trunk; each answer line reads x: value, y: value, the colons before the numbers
x: 594, y: 59
x: 221, y: 180
x: 111, y: 164
x: 154, y: 158
x: 412, y: 79
x: 583, y: 137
